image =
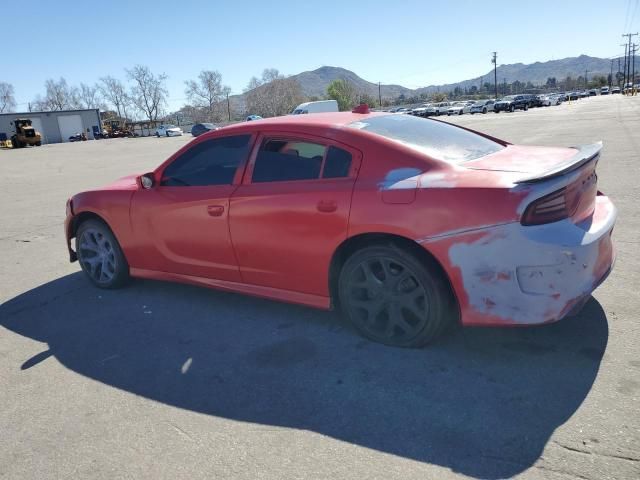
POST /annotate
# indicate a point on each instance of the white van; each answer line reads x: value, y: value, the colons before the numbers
x: 316, y: 107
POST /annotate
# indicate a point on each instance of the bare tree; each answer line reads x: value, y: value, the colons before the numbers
x: 59, y: 96
x: 114, y: 92
x: 89, y: 96
x: 273, y: 94
x: 207, y: 93
x: 7, y: 98
x: 149, y: 92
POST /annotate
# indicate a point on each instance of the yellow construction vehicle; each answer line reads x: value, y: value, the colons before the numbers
x: 25, y: 134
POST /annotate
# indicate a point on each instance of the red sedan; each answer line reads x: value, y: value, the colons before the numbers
x: 405, y: 224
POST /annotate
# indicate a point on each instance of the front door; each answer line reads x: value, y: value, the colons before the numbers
x: 182, y: 224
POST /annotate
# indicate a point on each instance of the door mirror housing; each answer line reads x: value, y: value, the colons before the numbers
x: 147, y: 181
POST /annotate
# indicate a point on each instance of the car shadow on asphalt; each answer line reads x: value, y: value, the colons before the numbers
x: 482, y: 402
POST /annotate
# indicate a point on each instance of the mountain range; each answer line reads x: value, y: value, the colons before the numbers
x: 315, y: 82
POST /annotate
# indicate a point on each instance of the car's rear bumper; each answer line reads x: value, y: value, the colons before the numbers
x: 516, y: 275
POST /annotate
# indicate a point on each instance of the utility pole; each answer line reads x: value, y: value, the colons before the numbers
x: 228, y: 107
x: 494, y: 60
x: 627, y: 72
x: 633, y: 68
x: 504, y: 89
x: 611, y: 74
x: 379, y: 95
x: 624, y: 65
x: 586, y: 84
x: 618, y: 81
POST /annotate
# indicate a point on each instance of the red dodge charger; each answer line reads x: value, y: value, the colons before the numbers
x: 404, y: 224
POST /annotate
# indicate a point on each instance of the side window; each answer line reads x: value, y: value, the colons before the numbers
x: 282, y: 160
x: 213, y: 162
x: 337, y: 164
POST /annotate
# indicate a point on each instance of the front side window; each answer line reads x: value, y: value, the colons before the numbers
x: 283, y: 160
x: 212, y: 162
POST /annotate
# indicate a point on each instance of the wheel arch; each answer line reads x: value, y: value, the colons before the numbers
x: 352, y: 244
x: 82, y: 217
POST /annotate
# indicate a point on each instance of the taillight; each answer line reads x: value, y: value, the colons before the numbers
x: 556, y: 206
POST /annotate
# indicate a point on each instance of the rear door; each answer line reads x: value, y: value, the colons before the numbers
x: 292, y: 211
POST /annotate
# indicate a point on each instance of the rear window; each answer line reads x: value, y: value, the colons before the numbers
x: 436, y: 139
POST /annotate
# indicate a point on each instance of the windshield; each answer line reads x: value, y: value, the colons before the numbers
x: 436, y: 139
x: 509, y: 97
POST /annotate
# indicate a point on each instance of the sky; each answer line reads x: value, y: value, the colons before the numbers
x: 413, y: 43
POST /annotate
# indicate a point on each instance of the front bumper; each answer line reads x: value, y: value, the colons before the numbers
x: 68, y: 232
x: 516, y: 275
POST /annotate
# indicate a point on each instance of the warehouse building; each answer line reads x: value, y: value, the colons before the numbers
x: 57, y: 126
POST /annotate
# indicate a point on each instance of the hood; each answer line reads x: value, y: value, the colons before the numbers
x: 523, y: 159
x: 125, y: 183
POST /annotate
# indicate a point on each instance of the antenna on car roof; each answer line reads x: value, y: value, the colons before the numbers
x: 362, y: 108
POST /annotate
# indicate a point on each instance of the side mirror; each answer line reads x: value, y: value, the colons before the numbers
x: 147, y: 181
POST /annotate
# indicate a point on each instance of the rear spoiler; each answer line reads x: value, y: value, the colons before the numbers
x: 584, y: 155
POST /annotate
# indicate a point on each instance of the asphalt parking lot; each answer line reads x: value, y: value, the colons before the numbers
x: 172, y: 381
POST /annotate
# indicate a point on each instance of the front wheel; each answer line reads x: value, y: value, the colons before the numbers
x: 157, y: 135
x: 484, y: 110
x: 526, y: 107
x: 392, y: 297
x: 38, y: 144
x: 100, y: 255
x: 167, y: 134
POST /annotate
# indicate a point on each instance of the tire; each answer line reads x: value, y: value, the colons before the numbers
x: 373, y: 280
x: 526, y: 107
x: 497, y: 111
x: 484, y: 110
x: 460, y: 112
x: 512, y: 109
x: 167, y: 134
x: 38, y: 144
x: 157, y: 135
x: 100, y: 255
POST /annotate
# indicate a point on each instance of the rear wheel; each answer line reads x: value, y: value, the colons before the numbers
x: 526, y: 107
x: 38, y: 144
x: 392, y: 297
x: 484, y: 110
x: 100, y: 255
x: 511, y: 108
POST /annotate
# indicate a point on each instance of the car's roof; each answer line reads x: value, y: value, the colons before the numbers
x: 317, y: 120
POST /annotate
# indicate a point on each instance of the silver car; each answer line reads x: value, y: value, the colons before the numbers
x: 482, y: 106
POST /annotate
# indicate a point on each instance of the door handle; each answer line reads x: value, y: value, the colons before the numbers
x: 215, y: 210
x: 327, y: 206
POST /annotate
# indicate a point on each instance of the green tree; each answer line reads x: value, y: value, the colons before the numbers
x: 343, y: 92
x: 438, y: 97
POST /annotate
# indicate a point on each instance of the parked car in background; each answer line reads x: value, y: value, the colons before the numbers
x: 542, y: 101
x: 316, y: 107
x: 511, y: 103
x: 200, y: 128
x: 615, y: 90
x: 459, y: 108
x: 593, y: 92
x: 311, y: 213
x: 420, y: 111
x: 604, y: 90
x: 482, y: 106
x: 573, y: 96
x: 555, y: 99
x: 168, y: 131
x: 437, y: 109
x: 251, y: 118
